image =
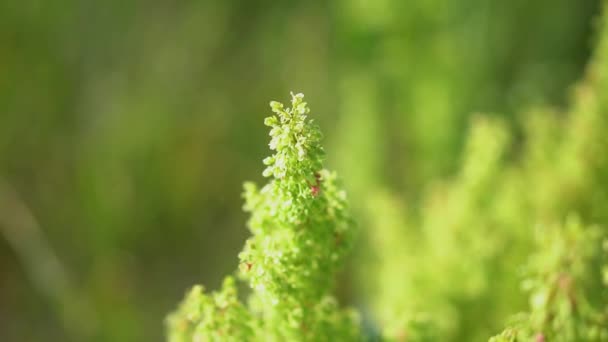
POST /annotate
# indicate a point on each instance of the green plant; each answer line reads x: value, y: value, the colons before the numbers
x: 566, y: 280
x: 301, y: 232
x: 462, y: 251
x: 447, y: 268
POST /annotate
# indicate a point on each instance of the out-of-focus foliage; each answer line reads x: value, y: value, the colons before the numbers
x: 566, y: 282
x: 464, y: 249
x: 126, y: 128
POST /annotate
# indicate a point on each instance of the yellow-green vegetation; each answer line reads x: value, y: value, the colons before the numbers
x: 516, y: 237
x: 530, y: 214
x: 469, y: 135
x: 302, y: 230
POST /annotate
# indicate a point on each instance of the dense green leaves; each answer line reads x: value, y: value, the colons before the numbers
x: 211, y: 317
x: 527, y: 212
x: 301, y: 232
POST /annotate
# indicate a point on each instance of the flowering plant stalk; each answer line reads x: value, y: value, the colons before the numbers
x: 301, y: 232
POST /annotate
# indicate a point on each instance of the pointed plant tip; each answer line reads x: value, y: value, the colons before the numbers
x: 298, y: 209
x: 276, y: 105
x: 297, y: 95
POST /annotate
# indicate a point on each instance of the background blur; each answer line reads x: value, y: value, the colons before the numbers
x: 128, y: 127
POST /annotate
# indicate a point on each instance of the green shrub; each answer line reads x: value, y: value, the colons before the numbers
x: 526, y: 209
x: 301, y: 232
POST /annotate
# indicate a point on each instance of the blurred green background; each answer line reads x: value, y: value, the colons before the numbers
x: 128, y: 127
